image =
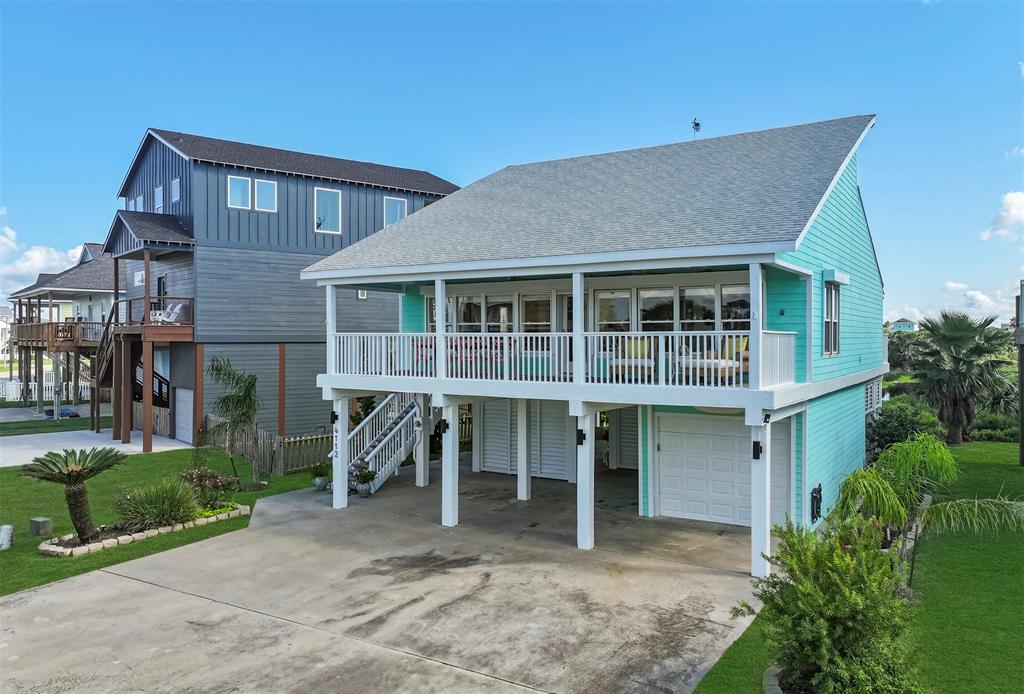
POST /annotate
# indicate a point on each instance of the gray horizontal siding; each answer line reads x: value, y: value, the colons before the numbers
x: 158, y: 165
x: 257, y: 296
x: 291, y: 228
x: 258, y: 359
x: 306, y: 410
x: 176, y: 267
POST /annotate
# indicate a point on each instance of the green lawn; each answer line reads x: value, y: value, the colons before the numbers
x: 23, y: 567
x: 970, y: 592
x: 48, y: 426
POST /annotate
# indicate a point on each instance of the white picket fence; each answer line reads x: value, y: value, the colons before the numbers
x: 11, y: 389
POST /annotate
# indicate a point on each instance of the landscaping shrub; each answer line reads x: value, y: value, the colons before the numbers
x: 210, y: 486
x: 165, y: 502
x: 992, y: 426
x: 895, y: 388
x: 998, y: 435
x: 900, y: 418
x: 835, y: 610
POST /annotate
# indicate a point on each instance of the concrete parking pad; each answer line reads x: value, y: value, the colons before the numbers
x: 380, y: 597
x: 19, y: 450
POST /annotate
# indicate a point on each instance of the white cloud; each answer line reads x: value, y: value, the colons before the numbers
x: 1015, y: 151
x: 911, y: 312
x: 952, y: 286
x: 1009, y: 221
x: 20, y: 265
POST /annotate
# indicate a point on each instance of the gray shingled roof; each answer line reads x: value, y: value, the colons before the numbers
x: 756, y: 187
x: 286, y: 161
x: 94, y: 275
x: 157, y: 228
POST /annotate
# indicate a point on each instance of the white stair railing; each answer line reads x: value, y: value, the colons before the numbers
x: 362, y: 437
x: 387, y: 456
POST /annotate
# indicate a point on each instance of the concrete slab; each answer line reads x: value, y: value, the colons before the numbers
x: 19, y: 450
x: 384, y: 597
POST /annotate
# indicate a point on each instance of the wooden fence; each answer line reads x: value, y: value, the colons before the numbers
x: 161, y: 419
x: 269, y: 453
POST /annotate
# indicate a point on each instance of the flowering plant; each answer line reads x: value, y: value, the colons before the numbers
x: 210, y: 486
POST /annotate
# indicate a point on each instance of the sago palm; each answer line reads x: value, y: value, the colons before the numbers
x: 237, y: 406
x: 72, y: 468
x: 960, y: 366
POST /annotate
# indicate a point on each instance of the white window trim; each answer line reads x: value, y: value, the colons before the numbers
x: 248, y: 182
x: 173, y: 181
x: 255, y: 198
x: 835, y: 351
x: 362, y: 295
x: 140, y: 207
x: 130, y: 205
x: 327, y: 231
x: 405, y: 208
x: 158, y: 200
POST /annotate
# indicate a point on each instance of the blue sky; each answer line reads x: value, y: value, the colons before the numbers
x: 464, y: 89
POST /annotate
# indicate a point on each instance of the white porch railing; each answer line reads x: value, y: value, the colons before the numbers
x: 522, y: 357
x: 716, y: 359
x: 719, y: 359
x: 778, y: 358
x: 11, y: 389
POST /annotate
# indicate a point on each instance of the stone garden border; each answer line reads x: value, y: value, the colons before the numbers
x: 50, y: 548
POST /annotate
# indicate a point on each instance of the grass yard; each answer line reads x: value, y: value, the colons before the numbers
x: 971, y: 598
x: 23, y: 567
x: 49, y: 426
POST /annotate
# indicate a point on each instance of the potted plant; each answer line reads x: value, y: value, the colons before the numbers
x: 319, y: 472
x: 363, y: 479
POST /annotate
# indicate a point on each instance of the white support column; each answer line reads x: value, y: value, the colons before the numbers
x: 478, y: 435
x: 340, y: 460
x: 756, y: 325
x: 760, y: 499
x: 332, y: 328
x: 421, y: 450
x: 450, y: 467
x: 440, y: 326
x: 523, y: 480
x: 578, y: 347
x: 585, y: 482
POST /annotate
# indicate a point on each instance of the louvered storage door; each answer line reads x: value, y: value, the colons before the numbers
x: 498, y: 436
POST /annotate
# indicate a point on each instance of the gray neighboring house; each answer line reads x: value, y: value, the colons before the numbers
x: 211, y: 241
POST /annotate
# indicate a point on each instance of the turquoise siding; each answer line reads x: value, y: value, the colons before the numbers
x: 798, y: 469
x: 839, y: 239
x: 835, y: 441
x: 786, y: 302
x: 414, y: 311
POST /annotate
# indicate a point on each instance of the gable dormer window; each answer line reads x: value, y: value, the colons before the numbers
x: 239, y: 193
x: 158, y: 199
x: 140, y: 204
x: 175, y: 189
x: 394, y: 210
x: 327, y: 210
x: 131, y: 205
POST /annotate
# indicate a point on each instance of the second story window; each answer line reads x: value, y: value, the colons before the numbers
x: 327, y: 210
x: 266, y: 195
x: 657, y: 307
x: 158, y: 199
x: 613, y: 309
x: 131, y: 205
x: 831, y: 319
x: 394, y: 210
x: 736, y: 307
x: 140, y: 204
x: 175, y: 189
x: 239, y: 193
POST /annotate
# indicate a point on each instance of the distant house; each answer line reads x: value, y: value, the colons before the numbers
x: 903, y: 325
x: 6, y: 318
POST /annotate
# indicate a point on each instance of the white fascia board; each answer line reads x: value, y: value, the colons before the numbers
x: 784, y: 396
x: 791, y: 267
x: 656, y: 259
x: 834, y: 181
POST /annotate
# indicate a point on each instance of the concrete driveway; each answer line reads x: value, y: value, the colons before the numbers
x: 19, y: 450
x: 381, y: 598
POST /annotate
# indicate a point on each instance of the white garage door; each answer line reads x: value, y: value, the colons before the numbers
x: 183, y: 414
x: 704, y: 468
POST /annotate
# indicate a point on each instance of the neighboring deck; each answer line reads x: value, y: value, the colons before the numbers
x: 66, y: 336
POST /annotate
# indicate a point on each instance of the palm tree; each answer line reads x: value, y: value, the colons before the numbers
x: 903, y: 347
x: 960, y: 367
x: 72, y: 468
x: 237, y: 406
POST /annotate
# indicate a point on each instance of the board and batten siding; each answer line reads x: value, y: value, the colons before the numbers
x: 291, y: 227
x: 246, y: 295
x: 158, y: 165
x: 839, y: 239
x: 835, y: 443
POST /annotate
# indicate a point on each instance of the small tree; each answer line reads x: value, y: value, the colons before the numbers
x: 835, y: 611
x: 364, y: 406
x: 237, y: 406
x: 72, y: 468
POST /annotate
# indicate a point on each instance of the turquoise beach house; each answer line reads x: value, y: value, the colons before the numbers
x: 713, y: 308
